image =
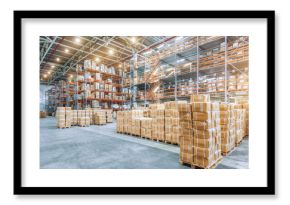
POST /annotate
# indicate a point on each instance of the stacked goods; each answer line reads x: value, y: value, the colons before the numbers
x: 100, y: 117
x: 126, y: 119
x: 60, y: 117
x: 246, y: 124
x: 158, y: 124
x: 88, y: 117
x: 185, y: 134
x: 109, y: 115
x: 68, y: 117
x: 242, y: 82
x: 136, y: 126
x: 158, y: 121
x: 207, y: 134
x: 172, y: 122
x: 239, y: 114
x: 146, y: 127
x: 120, y: 121
x: 134, y: 122
x: 200, y: 98
x: 81, y: 118
x: 42, y: 114
x: 227, y: 123
x: 74, y: 117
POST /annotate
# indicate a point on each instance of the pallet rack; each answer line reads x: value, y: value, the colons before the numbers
x: 200, y: 59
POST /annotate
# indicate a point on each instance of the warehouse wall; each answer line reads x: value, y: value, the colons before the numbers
x: 42, y: 90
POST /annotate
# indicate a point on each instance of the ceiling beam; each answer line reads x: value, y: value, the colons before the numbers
x: 49, y: 47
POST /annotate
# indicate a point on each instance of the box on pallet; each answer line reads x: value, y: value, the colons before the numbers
x: 100, y: 117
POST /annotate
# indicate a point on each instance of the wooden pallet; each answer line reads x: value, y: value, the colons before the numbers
x: 228, y: 152
x: 238, y: 143
x: 194, y: 166
x: 173, y: 143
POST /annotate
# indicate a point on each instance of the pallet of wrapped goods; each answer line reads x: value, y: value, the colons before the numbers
x: 246, y: 120
x: 207, y: 133
x: 239, y: 114
x: 109, y: 115
x: 120, y: 121
x: 100, y: 117
x: 42, y: 114
x: 68, y: 117
x: 74, y: 117
x: 146, y: 127
x: 88, y: 117
x: 81, y: 118
x: 136, y: 126
x: 172, y: 128
x: 227, y: 121
x: 186, y: 134
x: 60, y: 117
x: 200, y: 98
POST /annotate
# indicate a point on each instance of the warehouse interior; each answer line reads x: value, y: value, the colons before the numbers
x: 144, y: 102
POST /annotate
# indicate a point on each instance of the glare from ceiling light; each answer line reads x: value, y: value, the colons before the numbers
x: 71, y: 76
x: 111, y: 52
x: 57, y: 59
x: 66, y: 50
x: 178, y: 38
x: 180, y: 60
x: 44, y: 75
x: 52, y: 66
x: 77, y: 40
x: 97, y: 59
x: 133, y: 39
x: 48, y: 72
x: 120, y: 65
x: 160, y: 46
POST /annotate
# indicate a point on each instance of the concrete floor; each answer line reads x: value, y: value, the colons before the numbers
x: 100, y: 147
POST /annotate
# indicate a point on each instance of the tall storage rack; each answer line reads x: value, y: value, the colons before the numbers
x: 217, y: 65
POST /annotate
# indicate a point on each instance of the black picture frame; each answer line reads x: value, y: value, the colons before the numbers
x: 268, y: 190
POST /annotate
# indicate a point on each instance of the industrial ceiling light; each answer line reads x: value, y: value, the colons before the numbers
x: 120, y: 65
x: 48, y: 72
x: 111, y: 52
x: 66, y: 50
x: 71, y: 76
x: 57, y: 59
x: 44, y: 75
x: 97, y: 59
x: 52, y: 66
x: 133, y: 39
x: 77, y: 40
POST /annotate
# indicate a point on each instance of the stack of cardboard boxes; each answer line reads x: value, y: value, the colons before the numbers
x: 60, y: 117
x: 146, y: 127
x: 207, y: 132
x: 42, y: 114
x: 74, y: 117
x: 81, y: 118
x: 186, y: 133
x: 227, y: 123
x: 68, y: 117
x: 120, y: 121
x: 109, y: 115
x: 136, y: 126
x: 100, y: 117
x: 246, y: 120
x: 158, y: 122
x: 172, y: 128
x: 239, y: 114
